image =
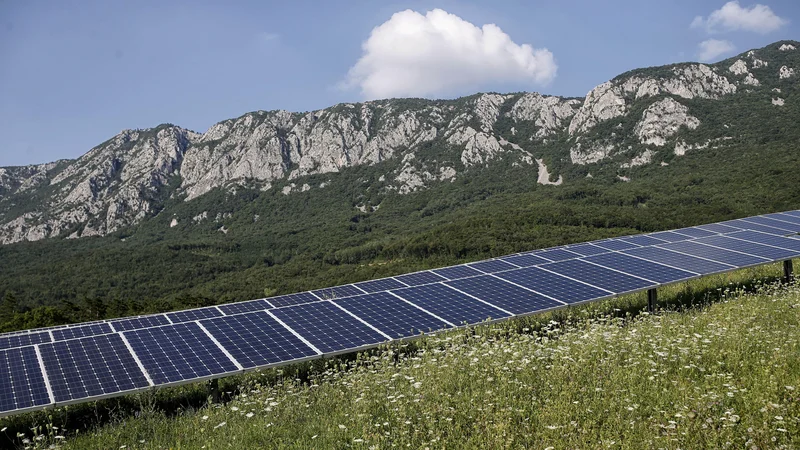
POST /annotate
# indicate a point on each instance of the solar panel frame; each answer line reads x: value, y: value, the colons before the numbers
x: 381, y: 284
x: 493, y: 265
x: 526, y: 260
x: 558, y: 254
x: 602, y: 277
x: 459, y: 308
x: 783, y: 217
x: 245, y: 307
x: 766, y: 239
x: 505, y: 295
x: 740, y: 260
x: 719, y: 228
x: 298, y: 298
x: 766, y: 221
x: 81, y: 331
x: 23, y: 340
x: 695, y: 232
x: 393, y: 315
x: 795, y: 213
x: 23, y: 386
x: 642, y: 240
x: 687, y: 262
x: 632, y: 265
x: 750, y: 248
x: 191, y: 315
x: 615, y: 244
x: 334, y: 292
x: 555, y: 286
x: 755, y: 227
x: 456, y: 272
x: 586, y: 249
x: 669, y: 236
x: 137, y: 323
x: 420, y: 278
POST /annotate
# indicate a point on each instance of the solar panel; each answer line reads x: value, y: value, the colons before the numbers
x: 554, y: 286
x: 586, y: 249
x: 244, y: 307
x: 330, y: 293
x: 783, y: 218
x: 526, y: 260
x: 750, y: 248
x: 795, y: 213
x: 641, y: 268
x: 327, y: 327
x: 695, y: 232
x: 256, y: 339
x: 139, y: 322
x: 767, y: 239
x: 788, y: 227
x: 642, y: 240
x: 22, y: 384
x: 21, y: 340
x: 502, y: 294
x: 669, y: 236
x: 615, y: 244
x: 81, y: 331
x: 449, y: 304
x: 601, y: 277
x: 293, y: 299
x: 670, y: 258
x: 91, y: 367
x: 178, y: 353
x: 393, y: 316
x: 455, y: 272
x: 191, y: 315
x: 419, y: 278
x: 492, y: 266
x: 383, y: 284
x: 716, y: 254
x: 557, y: 254
x: 718, y: 228
x: 755, y: 227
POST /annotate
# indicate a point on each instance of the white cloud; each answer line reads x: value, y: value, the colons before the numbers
x: 437, y: 53
x: 732, y: 17
x: 712, y: 48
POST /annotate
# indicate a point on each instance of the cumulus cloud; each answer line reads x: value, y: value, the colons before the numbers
x: 710, y: 49
x: 733, y: 17
x: 437, y: 53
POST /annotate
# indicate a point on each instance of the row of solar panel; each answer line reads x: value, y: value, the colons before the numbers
x: 108, y: 364
x: 789, y: 221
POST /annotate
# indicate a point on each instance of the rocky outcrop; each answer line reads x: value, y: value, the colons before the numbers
x: 661, y: 120
x: 785, y: 72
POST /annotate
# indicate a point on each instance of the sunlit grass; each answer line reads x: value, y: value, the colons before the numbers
x: 724, y: 373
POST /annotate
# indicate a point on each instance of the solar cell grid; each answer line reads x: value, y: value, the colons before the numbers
x: 139, y: 322
x: 786, y: 226
x: 383, y: 284
x: 715, y: 254
x: 755, y: 227
x: 767, y: 239
x: 391, y: 315
x: 502, y: 294
x: 669, y: 236
x: 327, y: 327
x: 557, y: 254
x: 81, y: 331
x: 455, y: 272
x: 22, y: 384
x: 642, y: 240
x: 293, y: 299
x: 695, y: 232
x: 750, y: 248
x: 244, y: 307
x: 491, y: 266
x: 795, y: 213
x: 90, y: 367
x: 586, y: 249
x: 178, y: 352
x: 191, y: 315
x: 419, y: 278
x: 615, y: 244
x: 330, y: 293
x: 554, y: 286
x: 526, y: 260
x: 21, y: 340
x: 718, y: 228
x: 641, y: 268
x: 670, y: 258
x: 256, y: 339
x: 449, y: 304
x: 601, y: 277
x: 784, y: 218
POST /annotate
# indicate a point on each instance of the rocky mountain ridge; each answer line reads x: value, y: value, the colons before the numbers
x: 638, y: 118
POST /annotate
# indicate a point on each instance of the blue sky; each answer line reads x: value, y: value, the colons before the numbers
x: 74, y: 73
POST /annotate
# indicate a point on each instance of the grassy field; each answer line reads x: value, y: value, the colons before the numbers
x: 723, y: 372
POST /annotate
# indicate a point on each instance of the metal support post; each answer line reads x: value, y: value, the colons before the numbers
x: 788, y: 271
x: 213, y: 390
x: 652, y: 298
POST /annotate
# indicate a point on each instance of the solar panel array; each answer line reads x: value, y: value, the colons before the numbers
x: 84, y: 362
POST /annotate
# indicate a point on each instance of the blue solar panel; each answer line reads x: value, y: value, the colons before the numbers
x: 492, y: 266
x: 601, y: 277
x: 391, y: 315
x: 327, y: 327
x: 450, y: 305
x: 419, y: 278
x: 330, y: 293
x: 715, y: 254
x: 586, y: 249
x: 504, y: 295
x: 140, y: 322
x: 81, y: 331
x: 383, y: 284
x: 695, y: 232
x: 293, y: 299
x: 718, y: 228
x: 795, y: 213
x: 767, y: 239
x: 21, y: 382
x: 750, y: 248
x: 557, y: 254
x: 788, y: 227
x: 256, y: 339
x: 552, y: 285
x: 640, y: 268
x: 670, y: 258
x: 615, y: 244
x: 21, y: 340
x: 784, y: 218
x: 755, y: 227
x: 90, y: 367
x: 642, y: 240
x: 178, y: 352
x: 190, y: 315
x: 455, y: 272
x: 526, y: 260
x: 244, y: 307
x: 668, y: 236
